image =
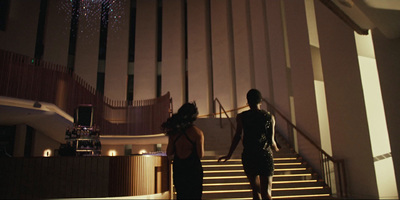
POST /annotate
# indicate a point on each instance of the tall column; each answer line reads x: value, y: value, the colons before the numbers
x: 21, y: 28
x: 199, y: 71
x: 242, y: 50
x: 278, y: 63
x: 57, y: 30
x: 261, y: 74
x: 145, y: 74
x: 173, y: 51
x: 116, y: 72
x: 387, y: 54
x: 87, y: 44
x: 302, y: 78
x: 345, y: 103
x: 222, y: 52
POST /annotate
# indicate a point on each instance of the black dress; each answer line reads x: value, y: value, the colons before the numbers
x: 188, y: 174
x: 257, y: 155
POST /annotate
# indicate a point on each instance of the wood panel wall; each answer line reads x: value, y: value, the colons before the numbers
x: 82, y: 177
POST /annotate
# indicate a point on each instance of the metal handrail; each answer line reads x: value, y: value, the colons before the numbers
x: 222, y: 110
x: 324, y: 157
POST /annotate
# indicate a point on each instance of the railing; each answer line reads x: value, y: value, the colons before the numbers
x: 332, y: 170
x: 27, y: 78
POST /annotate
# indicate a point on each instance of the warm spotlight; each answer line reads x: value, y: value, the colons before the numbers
x: 47, y: 153
x: 112, y: 153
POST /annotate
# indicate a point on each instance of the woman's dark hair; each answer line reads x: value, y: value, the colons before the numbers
x: 183, y: 119
x: 253, y: 97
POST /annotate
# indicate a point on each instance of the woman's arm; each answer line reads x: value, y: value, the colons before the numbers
x: 170, y: 148
x: 273, y: 134
x: 200, y: 143
x: 235, y: 141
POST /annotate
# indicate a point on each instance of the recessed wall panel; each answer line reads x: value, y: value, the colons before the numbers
x: 21, y: 27
x: 278, y: 63
x: 221, y: 38
x: 57, y: 30
x: 145, y: 74
x: 242, y: 50
x: 302, y: 78
x: 87, y: 45
x: 116, y: 72
x: 199, y: 74
x: 257, y: 20
x: 173, y: 52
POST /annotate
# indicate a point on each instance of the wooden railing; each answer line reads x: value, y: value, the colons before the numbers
x: 332, y: 170
x: 83, y: 177
x: 27, y: 78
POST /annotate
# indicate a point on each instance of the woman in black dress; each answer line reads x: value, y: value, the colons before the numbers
x: 258, y: 127
x: 186, y: 147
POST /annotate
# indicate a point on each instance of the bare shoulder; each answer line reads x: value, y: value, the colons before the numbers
x: 196, y: 131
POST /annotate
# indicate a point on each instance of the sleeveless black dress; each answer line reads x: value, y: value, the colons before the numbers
x: 257, y: 157
x: 188, y: 174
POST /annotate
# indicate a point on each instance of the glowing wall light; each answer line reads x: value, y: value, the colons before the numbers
x: 47, y: 153
x: 112, y: 152
x: 143, y: 151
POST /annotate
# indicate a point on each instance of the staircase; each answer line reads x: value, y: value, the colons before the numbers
x: 292, y: 179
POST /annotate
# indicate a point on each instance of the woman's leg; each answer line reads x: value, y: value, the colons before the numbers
x: 254, y: 186
x: 266, y: 187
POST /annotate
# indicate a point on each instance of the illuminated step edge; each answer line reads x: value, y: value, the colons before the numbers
x: 247, y: 183
x: 301, y: 196
x: 241, y: 170
x: 249, y: 190
x: 240, y: 165
x: 282, y: 164
x: 295, y: 181
x: 285, y: 197
x: 225, y: 184
x: 238, y: 159
x: 238, y: 177
x: 227, y: 165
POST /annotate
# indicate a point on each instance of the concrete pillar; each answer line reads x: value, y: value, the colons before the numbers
x: 20, y: 138
x: 301, y: 68
x: 243, y: 53
x: 21, y: 28
x: 145, y: 74
x: 258, y: 35
x: 116, y: 72
x: 87, y: 44
x: 222, y: 53
x: 173, y: 51
x: 278, y: 63
x: 387, y: 54
x: 199, y: 71
x: 345, y: 102
x: 57, y: 31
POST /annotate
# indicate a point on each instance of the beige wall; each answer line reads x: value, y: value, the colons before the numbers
x: 243, y: 63
x: 345, y: 103
x: 42, y: 142
x: 305, y: 107
x: 173, y: 52
x: 21, y: 28
x: 145, y: 74
x: 116, y: 72
x: 198, y: 46
x: 388, y: 58
x: 56, y: 35
x: 87, y: 47
x: 222, y: 53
